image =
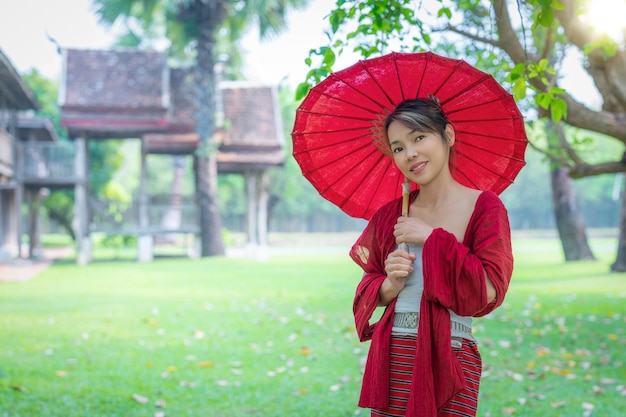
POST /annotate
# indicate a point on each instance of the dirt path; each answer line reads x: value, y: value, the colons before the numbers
x: 19, y: 270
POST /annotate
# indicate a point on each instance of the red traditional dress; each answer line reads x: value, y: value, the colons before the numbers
x: 454, y: 278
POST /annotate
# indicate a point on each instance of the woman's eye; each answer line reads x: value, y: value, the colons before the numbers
x: 418, y: 138
x: 397, y: 150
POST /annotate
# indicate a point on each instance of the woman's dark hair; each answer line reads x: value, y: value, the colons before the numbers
x: 424, y: 114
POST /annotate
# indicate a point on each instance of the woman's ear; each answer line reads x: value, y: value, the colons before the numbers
x: 449, y: 131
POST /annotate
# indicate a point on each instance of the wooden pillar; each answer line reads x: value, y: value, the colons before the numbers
x: 144, y: 240
x: 263, y: 190
x: 19, y: 198
x: 251, y: 212
x: 81, y: 204
x: 257, y: 194
x: 18, y: 162
x: 34, y: 247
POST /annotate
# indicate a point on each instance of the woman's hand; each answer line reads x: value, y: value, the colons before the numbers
x: 411, y: 230
x: 398, y: 266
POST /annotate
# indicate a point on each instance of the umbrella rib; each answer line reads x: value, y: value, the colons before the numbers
x: 395, y: 67
x: 344, y: 82
x: 489, y: 169
x: 341, y: 177
x: 380, y: 181
x: 311, y: 113
x: 468, y: 179
x: 489, y: 136
x: 375, y: 81
x: 473, y: 106
x: 471, y: 145
x: 419, y: 88
x: 331, y: 145
x: 378, y: 185
x: 444, y: 81
x: 332, y: 161
x: 467, y: 88
x: 487, y: 120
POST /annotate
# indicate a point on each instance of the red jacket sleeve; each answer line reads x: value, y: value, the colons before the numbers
x: 461, y: 267
x: 369, y: 252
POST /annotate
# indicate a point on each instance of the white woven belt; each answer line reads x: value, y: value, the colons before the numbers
x: 409, y: 320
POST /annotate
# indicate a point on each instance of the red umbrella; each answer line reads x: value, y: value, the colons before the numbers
x: 339, y: 121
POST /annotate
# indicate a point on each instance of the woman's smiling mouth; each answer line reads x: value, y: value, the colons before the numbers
x: 418, y: 167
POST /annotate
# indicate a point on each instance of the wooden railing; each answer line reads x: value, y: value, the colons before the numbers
x: 166, y: 214
x: 47, y: 161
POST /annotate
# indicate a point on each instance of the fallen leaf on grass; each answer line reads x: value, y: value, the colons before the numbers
x: 542, y: 351
x: 62, y: 374
x: 305, y: 351
x: 18, y: 388
x: 205, y: 364
x: 607, y: 381
x: 508, y: 411
x: 301, y: 391
x: 160, y: 403
x: 557, y: 404
x: 140, y: 399
x: 597, y: 390
x: 588, y: 407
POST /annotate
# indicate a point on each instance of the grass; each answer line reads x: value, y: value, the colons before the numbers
x: 230, y: 337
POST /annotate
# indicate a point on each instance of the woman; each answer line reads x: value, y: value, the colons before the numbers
x: 423, y: 360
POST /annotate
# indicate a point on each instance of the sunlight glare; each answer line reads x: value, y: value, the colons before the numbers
x: 607, y: 17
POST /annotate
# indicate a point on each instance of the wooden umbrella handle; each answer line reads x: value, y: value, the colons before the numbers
x: 406, y: 191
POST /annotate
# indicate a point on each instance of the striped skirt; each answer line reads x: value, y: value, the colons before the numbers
x: 463, y: 404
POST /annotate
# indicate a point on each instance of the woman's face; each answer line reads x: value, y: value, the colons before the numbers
x: 421, y: 156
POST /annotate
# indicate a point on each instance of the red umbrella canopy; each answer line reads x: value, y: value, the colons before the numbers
x: 338, y: 123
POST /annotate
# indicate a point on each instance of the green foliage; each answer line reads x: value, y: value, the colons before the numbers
x: 118, y: 241
x: 232, y: 195
x: 379, y: 26
x: 105, y: 159
x: 46, y: 92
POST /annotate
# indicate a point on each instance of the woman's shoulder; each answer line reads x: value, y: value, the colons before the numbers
x: 487, y: 197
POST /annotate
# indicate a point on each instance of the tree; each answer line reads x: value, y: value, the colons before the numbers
x: 527, y: 40
x: 194, y: 29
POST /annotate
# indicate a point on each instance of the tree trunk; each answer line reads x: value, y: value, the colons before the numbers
x: 570, y: 222
x: 207, y: 16
x: 209, y: 216
x: 569, y: 219
x: 620, y: 262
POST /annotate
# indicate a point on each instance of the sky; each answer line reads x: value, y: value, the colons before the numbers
x: 26, y: 25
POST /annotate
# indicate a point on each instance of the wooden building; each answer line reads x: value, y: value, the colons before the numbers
x: 26, y: 171
x: 131, y: 94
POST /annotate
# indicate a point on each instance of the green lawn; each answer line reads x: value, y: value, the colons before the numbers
x: 232, y: 337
